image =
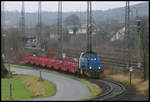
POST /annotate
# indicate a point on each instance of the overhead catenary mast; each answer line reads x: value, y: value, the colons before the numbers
x: 23, y: 19
x: 80, y: 16
x: 3, y: 28
x: 3, y: 17
x: 23, y: 22
x: 127, y: 30
x: 60, y: 34
x: 89, y: 27
x: 39, y: 25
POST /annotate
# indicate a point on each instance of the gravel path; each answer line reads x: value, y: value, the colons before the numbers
x: 66, y: 88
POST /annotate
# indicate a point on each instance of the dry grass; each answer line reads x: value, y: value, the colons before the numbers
x: 33, y: 86
x: 143, y: 87
x: 140, y: 85
x: 93, y: 88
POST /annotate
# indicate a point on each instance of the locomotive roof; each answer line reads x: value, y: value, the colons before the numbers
x: 86, y: 54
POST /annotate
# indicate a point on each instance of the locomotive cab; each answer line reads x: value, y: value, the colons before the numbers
x: 90, y: 65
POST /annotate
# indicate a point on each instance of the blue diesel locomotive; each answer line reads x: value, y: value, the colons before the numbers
x: 90, y: 65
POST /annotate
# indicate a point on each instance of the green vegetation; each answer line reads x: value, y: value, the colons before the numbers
x: 50, y: 88
x: 94, y: 89
x: 4, y: 71
x: 38, y: 89
x: 18, y: 90
x: 26, y: 87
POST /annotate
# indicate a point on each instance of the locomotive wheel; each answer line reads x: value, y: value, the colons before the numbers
x: 101, y: 74
x: 88, y: 74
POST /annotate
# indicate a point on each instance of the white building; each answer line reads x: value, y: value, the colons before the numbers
x: 119, y: 34
x: 82, y: 29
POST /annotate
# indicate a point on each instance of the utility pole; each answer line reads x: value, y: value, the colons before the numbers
x: 39, y: 26
x: 60, y: 34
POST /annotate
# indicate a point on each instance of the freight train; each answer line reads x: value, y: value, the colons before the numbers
x: 88, y: 65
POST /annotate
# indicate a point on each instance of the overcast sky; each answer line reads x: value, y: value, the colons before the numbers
x: 31, y: 6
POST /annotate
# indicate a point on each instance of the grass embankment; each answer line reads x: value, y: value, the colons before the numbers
x: 26, y: 87
x: 18, y: 90
x: 141, y: 86
x: 94, y: 89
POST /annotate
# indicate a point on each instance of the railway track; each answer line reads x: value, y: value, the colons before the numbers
x: 118, y: 63
x: 111, y: 89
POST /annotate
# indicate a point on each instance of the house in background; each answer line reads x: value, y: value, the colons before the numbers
x: 119, y: 35
x: 81, y: 29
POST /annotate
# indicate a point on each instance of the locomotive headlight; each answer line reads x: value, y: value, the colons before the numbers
x: 99, y: 67
x: 90, y: 67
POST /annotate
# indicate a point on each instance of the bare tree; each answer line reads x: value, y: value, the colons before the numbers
x: 14, y: 42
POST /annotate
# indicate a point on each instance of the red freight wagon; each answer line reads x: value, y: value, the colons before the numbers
x: 26, y: 59
x: 34, y: 59
x: 70, y: 66
x: 66, y: 65
x: 50, y: 61
x: 31, y: 59
x: 43, y: 62
x: 74, y: 68
x: 57, y: 63
x: 46, y: 61
x: 61, y: 63
x: 54, y: 62
x: 37, y: 60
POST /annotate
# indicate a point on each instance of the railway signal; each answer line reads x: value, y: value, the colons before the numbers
x: 130, y: 69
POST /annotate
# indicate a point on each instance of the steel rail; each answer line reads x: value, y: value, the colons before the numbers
x: 111, y: 89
